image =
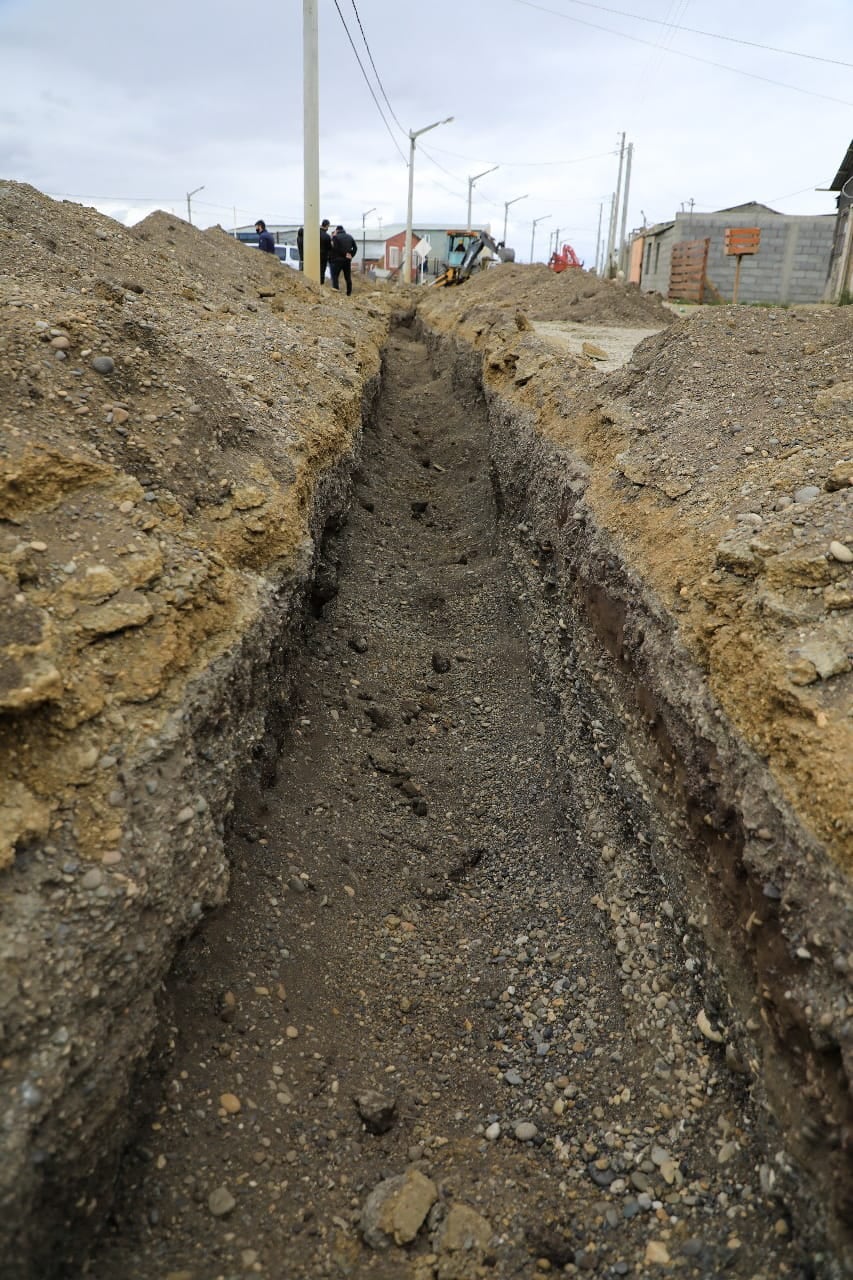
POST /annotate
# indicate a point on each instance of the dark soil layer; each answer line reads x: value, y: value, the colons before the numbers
x: 447, y: 954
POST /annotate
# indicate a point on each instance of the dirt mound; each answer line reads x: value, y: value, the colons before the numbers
x: 541, y: 294
x: 722, y: 454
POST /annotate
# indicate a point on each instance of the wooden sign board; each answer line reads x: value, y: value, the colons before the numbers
x: 742, y: 240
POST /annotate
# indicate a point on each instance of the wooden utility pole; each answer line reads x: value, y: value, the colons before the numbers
x: 614, y: 211
x: 311, y: 141
x: 620, y: 257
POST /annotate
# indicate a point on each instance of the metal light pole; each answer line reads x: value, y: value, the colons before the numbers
x: 471, y: 182
x: 363, y: 240
x: 507, y: 203
x: 407, y: 261
x: 536, y: 221
x: 311, y: 142
x: 190, y: 195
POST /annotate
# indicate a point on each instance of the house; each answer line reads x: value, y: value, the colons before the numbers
x: 839, y: 285
x: 791, y: 264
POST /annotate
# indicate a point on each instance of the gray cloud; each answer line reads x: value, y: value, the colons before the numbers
x: 142, y: 104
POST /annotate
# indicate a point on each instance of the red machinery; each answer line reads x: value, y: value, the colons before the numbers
x: 565, y: 258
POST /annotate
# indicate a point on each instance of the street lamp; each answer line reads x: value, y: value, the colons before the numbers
x: 363, y: 216
x: 507, y: 203
x: 190, y: 195
x: 407, y: 262
x: 471, y: 182
x: 544, y: 218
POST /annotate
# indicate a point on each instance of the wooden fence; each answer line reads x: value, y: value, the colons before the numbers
x: 688, y: 270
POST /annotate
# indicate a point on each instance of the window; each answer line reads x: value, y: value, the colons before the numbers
x: 394, y: 255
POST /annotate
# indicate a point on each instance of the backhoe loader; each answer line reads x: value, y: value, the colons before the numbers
x: 458, y: 274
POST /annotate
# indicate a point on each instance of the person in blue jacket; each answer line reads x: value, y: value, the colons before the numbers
x: 266, y: 243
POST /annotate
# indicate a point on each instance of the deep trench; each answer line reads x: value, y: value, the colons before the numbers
x: 444, y: 890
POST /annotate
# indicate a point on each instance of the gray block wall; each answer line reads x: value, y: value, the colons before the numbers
x: 791, y: 265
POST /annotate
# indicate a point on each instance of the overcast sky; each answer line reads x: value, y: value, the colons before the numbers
x: 127, y: 107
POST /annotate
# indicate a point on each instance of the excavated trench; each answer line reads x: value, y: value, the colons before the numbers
x: 478, y: 1003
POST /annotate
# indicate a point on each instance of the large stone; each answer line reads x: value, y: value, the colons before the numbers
x: 463, y: 1229
x: 377, y: 1111
x: 396, y: 1209
x: 461, y: 1241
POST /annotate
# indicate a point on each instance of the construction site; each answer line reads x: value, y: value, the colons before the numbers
x: 425, y: 741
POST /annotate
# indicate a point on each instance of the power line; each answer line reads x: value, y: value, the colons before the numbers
x: 388, y: 103
x: 369, y: 85
x: 790, y: 194
x: 525, y: 164
x: 375, y: 72
x: 70, y: 195
x: 159, y: 201
x: 680, y: 53
x: 710, y: 35
x: 425, y: 152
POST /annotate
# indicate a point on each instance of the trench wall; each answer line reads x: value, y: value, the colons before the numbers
x: 743, y: 870
x: 736, y: 860
x: 86, y: 952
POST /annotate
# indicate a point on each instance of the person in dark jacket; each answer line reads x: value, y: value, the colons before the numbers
x: 344, y: 249
x: 325, y: 248
x: 266, y: 243
x: 300, y: 245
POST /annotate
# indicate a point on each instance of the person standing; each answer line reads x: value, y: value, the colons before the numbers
x: 266, y: 243
x: 325, y: 248
x: 344, y: 249
x: 300, y: 245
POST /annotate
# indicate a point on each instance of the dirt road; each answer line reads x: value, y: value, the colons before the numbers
x: 445, y: 1026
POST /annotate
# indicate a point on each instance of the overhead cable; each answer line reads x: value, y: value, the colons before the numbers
x: 375, y: 72
x: 369, y: 85
x: 711, y: 35
x: 680, y: 53
x: 523, y: 164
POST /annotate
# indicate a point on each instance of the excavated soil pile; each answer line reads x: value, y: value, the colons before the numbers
x: 721, y: 459
x: 179, y: 416
x: 540, y: 294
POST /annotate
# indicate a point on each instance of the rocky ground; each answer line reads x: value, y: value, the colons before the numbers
x: 410, y: 1045
x: 467, y: 1011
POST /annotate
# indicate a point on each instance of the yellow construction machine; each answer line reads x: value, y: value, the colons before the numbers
x: 464, y: 253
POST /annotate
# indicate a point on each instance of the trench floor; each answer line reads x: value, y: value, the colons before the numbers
x: 441, y: 925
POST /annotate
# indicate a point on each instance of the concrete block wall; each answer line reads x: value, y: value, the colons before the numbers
x: 791, y: 265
